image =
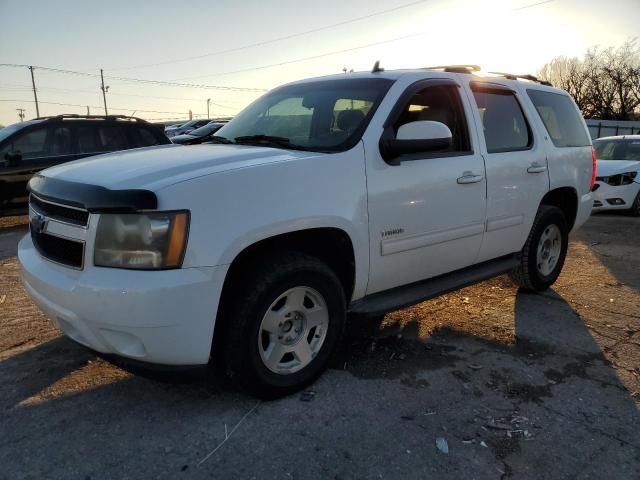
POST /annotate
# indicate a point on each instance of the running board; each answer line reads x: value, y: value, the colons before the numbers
x: 407, y: 295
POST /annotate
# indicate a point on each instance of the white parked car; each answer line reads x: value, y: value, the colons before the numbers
x: 618, y: 169
x: 358, y: 193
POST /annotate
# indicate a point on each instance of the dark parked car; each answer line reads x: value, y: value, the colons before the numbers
x: 185, y: 127
x: 198, y: 135
x: 28, y: 147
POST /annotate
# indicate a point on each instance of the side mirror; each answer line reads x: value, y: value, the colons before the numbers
x: 414, y: 137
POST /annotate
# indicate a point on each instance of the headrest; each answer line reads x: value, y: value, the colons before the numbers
x: 348, y: 120
x: 437, y: 114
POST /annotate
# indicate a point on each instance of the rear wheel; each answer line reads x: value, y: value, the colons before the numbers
x: 544, y: 252
x: 284, y: 322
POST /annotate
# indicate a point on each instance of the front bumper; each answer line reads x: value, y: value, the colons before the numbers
x: 608, y: 197
x: 164, y: 317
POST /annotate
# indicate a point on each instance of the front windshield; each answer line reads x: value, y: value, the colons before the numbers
x: 206, y: 130
x: 617, y: 149
x: 328, y: 115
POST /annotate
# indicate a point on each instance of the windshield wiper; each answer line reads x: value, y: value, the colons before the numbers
x: 269, y: 140
x: 262, y: 139
x: 217, y: 139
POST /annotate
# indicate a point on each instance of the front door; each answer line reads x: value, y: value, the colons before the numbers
x: 29, y: 152
x: 427, y: 213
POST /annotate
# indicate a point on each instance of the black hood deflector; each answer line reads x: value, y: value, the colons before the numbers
x: 93, y: 198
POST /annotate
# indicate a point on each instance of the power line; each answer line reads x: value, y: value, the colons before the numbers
x: 138, y: 80
x: 274, y: 40
x: 126, y: 109
x: 524, y: 7
x: 23, y: 87
x: 335, y: 52
x: 312, y: 57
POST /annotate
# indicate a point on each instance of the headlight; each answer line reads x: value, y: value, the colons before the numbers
x: 141, y: 241
x: 619, y: 179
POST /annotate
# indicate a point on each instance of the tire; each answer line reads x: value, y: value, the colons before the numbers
x: 258, y: 330
x: 550, y: 224
x: 634, y: 211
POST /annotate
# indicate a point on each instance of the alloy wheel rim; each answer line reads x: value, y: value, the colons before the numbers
x: 293, y: 330
x: 549, y: 248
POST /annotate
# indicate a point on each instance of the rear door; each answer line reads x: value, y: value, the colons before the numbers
x: 95, y: 137
x: 516, y: 165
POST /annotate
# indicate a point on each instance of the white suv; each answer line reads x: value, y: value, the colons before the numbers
x: 357, y: 193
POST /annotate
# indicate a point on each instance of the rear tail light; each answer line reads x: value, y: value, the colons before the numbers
x: 593, y: 168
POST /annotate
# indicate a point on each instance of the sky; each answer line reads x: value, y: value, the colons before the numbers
x: 249, y: 46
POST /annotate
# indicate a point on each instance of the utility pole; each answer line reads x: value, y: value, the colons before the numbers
x: 88, y: 111
x: 21, y: 113
x: 190, y: 115
x: 208, y: 102
x: 104, y: 92
x: 35, y: 95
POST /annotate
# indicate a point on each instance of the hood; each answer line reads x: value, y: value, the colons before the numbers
x: 153, y: 168
x: 184, y: 138
x: 606, y: 168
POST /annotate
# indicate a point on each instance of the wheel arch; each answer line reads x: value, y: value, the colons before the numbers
x: 566, y: 199
x: 332, y: 245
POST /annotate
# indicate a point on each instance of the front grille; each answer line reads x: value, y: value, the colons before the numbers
x: 59, y: 250
x: 597, y: 203
x: 59, y: 212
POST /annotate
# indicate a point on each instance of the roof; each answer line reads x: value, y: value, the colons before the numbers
x: 454, y: 71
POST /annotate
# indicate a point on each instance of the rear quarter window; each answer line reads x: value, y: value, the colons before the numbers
x: 561, y: 118
x: 143, y: 137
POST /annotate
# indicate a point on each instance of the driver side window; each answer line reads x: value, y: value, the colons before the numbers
x: 439, y: 103
x: 31, y: 144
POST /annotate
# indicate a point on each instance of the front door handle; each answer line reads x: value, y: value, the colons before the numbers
x: 537, y: 168
x: 469, y: 177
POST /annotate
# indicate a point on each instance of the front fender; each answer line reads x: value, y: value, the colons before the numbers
x: 234, y: 209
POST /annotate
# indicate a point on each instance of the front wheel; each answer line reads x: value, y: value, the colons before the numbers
x: 285, y: 321
x: 544, y: 252
x: 634, y: 211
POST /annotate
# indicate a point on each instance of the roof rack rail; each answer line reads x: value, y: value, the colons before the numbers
x: 103, y: 117
x: 455, y: 68
x: 514, y: 76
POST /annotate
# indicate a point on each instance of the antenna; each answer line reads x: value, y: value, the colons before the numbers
x: 376, y: 67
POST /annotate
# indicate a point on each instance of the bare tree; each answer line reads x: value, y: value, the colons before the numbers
x: 605, y: 83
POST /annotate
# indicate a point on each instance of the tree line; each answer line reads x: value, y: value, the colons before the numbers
x: 605, y: 84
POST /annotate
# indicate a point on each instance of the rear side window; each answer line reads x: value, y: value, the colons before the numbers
x: 143, y: 137
x: 561, y: 118
x: 98, y: 137
x: 505, y: 127
x: 113, y: 137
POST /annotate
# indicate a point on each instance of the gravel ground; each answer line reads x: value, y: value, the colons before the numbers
x: 515, y: 385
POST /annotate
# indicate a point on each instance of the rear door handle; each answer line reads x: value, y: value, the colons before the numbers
x: 468, y: 177
x: 537, y: 168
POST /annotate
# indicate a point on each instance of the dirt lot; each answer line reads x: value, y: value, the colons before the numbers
x: 518, y: 385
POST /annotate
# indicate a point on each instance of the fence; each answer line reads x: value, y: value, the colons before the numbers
x: 606, y: 128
